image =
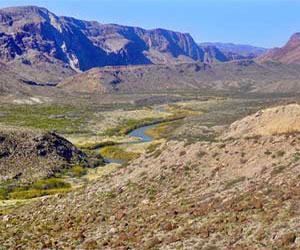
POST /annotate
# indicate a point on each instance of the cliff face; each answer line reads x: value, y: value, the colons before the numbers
x: 82, y: 45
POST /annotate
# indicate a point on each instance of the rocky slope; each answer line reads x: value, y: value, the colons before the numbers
x: 290, y: 53
x: 31, y: 34
x: 28, y: 155
x: 24, y: 84
x: 244, y: 76
x: 11, y: 82
x: 232, y: 194
x: 272, y: 121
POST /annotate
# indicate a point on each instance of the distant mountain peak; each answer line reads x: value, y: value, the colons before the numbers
x: 289, y: 53
x: 25, y: 10
x: 236, y: 51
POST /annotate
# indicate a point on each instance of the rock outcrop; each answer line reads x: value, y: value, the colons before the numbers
x: 27, y: 156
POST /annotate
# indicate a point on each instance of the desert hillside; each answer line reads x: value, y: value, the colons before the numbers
x: 224, y: 194
x: 119, y: 137
x: 236, y: 77
x: 272, y: 121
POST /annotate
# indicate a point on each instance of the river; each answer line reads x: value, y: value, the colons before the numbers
x: 137, y: 133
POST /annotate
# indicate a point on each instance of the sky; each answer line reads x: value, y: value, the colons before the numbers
x: 265, y: 23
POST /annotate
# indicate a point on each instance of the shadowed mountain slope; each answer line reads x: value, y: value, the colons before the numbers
x: 82, y: 45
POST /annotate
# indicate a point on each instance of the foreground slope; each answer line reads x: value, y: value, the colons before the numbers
x: 227, y: 194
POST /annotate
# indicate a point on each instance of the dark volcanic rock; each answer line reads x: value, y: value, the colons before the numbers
x: 34, y: 156
x: 51, y: 143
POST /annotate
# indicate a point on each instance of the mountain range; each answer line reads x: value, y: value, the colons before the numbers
x: 33, y: 36
x: 33, y: 32
x: 38, y: 48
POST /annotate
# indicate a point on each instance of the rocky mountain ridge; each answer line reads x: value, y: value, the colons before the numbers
x: 288, y: 54
x: 82, y: 45
x: 35, y: 38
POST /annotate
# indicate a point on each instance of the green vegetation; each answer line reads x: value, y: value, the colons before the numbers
x: 296, y: 157
x: 231, y: 183
x: 96, y: 145
x: 153, y: 146
x: 78, y: 171
x: 50, y: 183
x: 39, y: 188
x: 114, y: 152
x: 277, y: 170
x: 65, y: 119
x: 34, y: 193
x: 162, y: 130
x: 280, y: 153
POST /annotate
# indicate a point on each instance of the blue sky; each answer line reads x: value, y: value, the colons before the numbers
x: 266, y: 23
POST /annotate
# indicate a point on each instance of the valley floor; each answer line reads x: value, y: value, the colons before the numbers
x: 186, y: 188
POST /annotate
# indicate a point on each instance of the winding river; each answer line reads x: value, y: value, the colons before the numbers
x: 137, y: 133
x: 140, y: 134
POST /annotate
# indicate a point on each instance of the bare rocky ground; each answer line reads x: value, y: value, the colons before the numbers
x: 240, y: 193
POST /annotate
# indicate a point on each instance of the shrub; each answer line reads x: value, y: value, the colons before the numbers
x: 152, y: 147
x: 280, y: 153
x: 182, y: 153
x: 296, y: 157
x: 277, y: 170
x: 231, y: 183
x: 33, y: 193
x: 50, y: 183
x: 3, y: 193
x: 114, y: 152
x: 268, y: 152
x: 78, y: 171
